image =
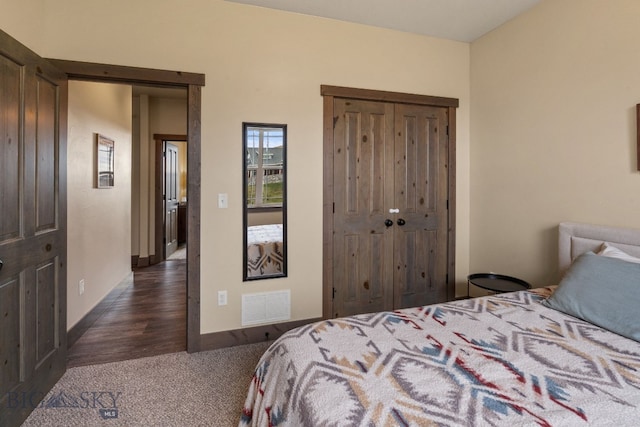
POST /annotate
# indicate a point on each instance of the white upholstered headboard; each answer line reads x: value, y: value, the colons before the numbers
x: 576, y: 239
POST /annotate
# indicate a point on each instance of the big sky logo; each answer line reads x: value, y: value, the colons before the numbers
x: 105, y: 401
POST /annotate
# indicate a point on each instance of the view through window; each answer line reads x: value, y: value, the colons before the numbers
x: 264, y: 159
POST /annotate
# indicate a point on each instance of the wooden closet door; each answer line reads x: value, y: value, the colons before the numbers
x: 382, y: 151
x: 363, y: 155
x: 420, y: 189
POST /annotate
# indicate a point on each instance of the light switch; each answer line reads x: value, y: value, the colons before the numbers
x: 222, y: 297
x: 223, y: 201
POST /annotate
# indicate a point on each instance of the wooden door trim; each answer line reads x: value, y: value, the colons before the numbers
x: 384, y: 96
x: 329, y: 93
x: 77, y: 70
x: 327, y: 208
x: 159, y: 215
x: 194, y: 102
x: 451, y: 200
x: 193, y: 83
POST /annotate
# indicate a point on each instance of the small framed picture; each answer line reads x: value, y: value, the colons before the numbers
x: 105, y: 162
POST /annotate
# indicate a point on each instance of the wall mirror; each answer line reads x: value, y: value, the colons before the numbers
x: 105, y: 161
x: 265, y: 200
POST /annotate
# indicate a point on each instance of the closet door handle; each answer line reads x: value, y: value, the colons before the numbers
x: 388, y: 223
x: 401, y: 222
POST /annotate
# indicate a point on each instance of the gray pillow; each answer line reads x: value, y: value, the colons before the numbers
x: 603, y: 291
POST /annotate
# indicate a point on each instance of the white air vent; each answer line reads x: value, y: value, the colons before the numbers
x: 266, y: 307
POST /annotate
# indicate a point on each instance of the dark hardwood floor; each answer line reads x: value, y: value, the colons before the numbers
x: 147, y: 319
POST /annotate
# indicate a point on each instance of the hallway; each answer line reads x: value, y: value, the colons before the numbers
x: 148, y: 318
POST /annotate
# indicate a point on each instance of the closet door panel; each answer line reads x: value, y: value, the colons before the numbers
x: 363, y: 193
x: 420, y: 244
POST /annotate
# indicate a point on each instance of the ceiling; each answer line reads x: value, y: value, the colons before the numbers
x: 461, y: 20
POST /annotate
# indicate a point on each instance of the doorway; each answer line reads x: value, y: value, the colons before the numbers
x: 171, y: 196
x: 193, y: 84
x: 145, y: 316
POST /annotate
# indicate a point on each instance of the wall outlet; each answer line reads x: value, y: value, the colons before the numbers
x: 222, y: 297
x: 81, y: 287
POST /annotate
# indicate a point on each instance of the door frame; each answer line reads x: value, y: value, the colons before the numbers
x: 329, y: 93
x: 160, y: 139
x: 193, y: 82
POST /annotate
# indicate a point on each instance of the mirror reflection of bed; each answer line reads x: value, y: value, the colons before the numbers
x: 265, y: 255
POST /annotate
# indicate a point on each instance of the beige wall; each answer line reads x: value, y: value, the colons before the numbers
x: 140, y: 189
x: 99, y: 225
x: 553, y: 131
x: 23, y: 20
x: 263, y: 65
x: 136, y: 173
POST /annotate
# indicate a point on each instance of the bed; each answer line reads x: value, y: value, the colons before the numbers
x: 265, y: 254
x: 504, y: 360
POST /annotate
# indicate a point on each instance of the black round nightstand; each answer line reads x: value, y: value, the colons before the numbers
x: 497, y: 283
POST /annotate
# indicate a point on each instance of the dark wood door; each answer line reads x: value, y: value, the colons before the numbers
x: 390, y: 206
x: 171, y: 194
x: 363, y: 193
x: 420, y: 189
x: 33, y: 333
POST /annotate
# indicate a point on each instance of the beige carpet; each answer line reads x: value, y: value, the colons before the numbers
x: 179, y: 389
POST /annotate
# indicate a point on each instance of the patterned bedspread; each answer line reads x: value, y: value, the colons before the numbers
x: 502, y: 360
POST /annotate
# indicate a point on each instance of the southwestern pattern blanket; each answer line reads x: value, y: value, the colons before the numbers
x: 497, y: 360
